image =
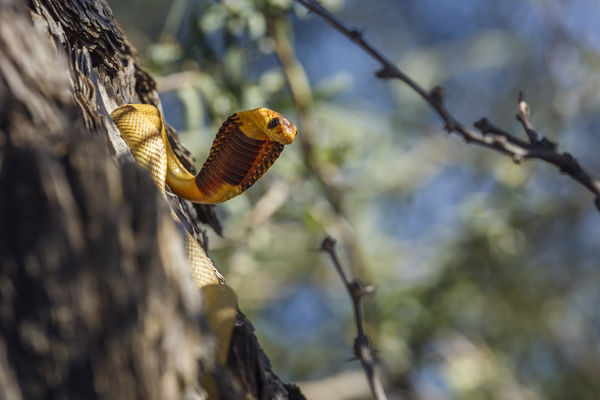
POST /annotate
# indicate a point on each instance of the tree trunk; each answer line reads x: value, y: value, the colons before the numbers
x: 96, y: 298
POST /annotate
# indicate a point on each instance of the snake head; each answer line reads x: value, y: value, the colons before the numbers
x: 262, y: 124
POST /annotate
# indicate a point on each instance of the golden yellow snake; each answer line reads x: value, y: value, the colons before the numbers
x: 246, y: 145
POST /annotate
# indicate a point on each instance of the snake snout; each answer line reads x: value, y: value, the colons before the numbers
x: 287, y: 131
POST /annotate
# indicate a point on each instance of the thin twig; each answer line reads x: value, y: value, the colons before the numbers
x: 489, y: 136
x: 523, y: 118
x: 362, y: 348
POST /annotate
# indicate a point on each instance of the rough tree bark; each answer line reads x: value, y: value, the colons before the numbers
x: 96, y: 299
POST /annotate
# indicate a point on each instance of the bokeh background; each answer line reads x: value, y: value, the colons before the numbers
x: 487, y: 272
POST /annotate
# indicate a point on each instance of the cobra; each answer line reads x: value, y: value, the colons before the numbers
x: 246, y: 145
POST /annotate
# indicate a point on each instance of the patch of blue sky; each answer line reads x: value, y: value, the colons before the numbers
x: 434, y: 208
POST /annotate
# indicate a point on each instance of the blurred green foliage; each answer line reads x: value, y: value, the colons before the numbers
x: 487, y: 271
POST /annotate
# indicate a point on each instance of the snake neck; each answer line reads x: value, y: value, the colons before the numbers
x: 234, y: 163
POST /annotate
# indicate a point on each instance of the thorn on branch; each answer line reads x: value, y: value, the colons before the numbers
x: 523, y: 117
x: 356, y: 290
x: 435, y: 97
x: 437, y: 94
x: 369, y: 289
x: 385, y: 73
x: 356, y: 34
x: 360, y: 341
x: 328, y: 244
x: 362, y: 347
x: 547, y: 144
x: 569, y: 164
x: 483, y: 125
x: 523, y: 106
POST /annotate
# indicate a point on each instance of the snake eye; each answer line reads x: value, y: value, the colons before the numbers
x: 273, y: 123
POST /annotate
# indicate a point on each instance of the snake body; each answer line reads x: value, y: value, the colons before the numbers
x: 246, y: 145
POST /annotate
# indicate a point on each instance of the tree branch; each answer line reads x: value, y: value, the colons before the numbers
x: 489, y: 135
x: 362, y: 348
